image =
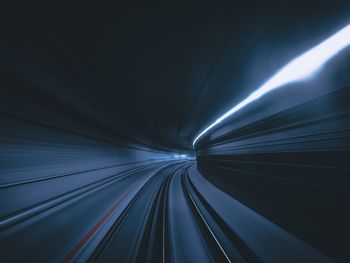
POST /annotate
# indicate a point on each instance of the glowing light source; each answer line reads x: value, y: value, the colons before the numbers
x: 180, y: 156
x: 300, y: 68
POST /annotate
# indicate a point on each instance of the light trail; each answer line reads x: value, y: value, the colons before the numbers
x: 301, y: 68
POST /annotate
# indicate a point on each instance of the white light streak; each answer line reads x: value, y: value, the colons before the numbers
x: 300, y: 68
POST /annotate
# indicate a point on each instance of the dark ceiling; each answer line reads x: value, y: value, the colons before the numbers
x: 153, y: 74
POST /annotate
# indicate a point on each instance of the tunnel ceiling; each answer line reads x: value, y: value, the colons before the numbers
x: 156, y: 75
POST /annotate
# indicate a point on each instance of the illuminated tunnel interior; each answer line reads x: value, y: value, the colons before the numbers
x: 175, y: 132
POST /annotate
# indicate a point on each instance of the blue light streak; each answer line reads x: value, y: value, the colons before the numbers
x: 301, y: 68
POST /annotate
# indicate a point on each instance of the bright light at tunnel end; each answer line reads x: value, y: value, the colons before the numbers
x: 300, y: 68
x: 182, y: 157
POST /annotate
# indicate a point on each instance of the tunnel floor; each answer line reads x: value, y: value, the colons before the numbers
x: 156, y: 211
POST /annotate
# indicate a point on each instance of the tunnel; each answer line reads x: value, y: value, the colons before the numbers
x: 170, y: 131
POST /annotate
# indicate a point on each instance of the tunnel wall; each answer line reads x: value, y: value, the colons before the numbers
x: 289, y: 161
x: 46, y: 160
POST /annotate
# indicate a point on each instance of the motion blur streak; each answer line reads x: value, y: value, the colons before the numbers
x: 298, y: 69
x: 99, y: 105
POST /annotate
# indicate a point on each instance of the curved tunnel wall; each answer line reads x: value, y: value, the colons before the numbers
x: 40, y: 162
x: 87, y: 141
x: 289, y: 161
